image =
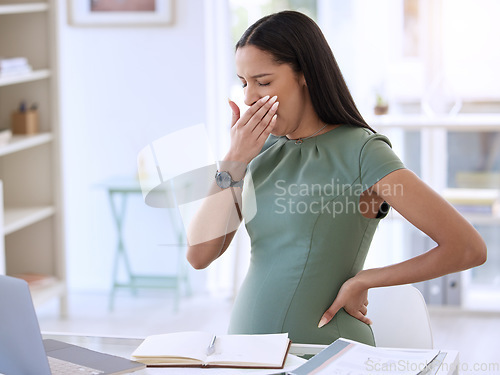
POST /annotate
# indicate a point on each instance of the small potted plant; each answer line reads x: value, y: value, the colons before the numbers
x: 381, y: 105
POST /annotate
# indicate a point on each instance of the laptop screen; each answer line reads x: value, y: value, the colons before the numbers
x: 21, y: 345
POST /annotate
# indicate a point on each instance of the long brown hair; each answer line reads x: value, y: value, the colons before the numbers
x: 295, y: 39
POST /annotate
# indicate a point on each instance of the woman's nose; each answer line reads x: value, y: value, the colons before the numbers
x: 251, y: 95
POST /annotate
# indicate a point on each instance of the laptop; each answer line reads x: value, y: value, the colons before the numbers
x: 23, y: 352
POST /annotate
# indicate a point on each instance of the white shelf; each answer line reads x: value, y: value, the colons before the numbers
x: 23, y: 142
x: 23, y: 8
x: 461, y: 122
x: 21, y: 217
x: 40, y: 295
x: 28, y: 77
x: 482, y: 219
x: 473, y: 218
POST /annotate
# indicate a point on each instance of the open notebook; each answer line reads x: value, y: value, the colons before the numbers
x: 203, y: 349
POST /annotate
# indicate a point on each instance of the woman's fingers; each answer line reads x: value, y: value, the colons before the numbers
x: 236, y: 112
x: 252, y: 117
x: 250, y: 112
x: 266, y: 126
x: 266, y: 120
x: 260, y: 116
x: 363, y: 309
x: 362, y: 317
x: 268, y: 129
x: 249, y: 132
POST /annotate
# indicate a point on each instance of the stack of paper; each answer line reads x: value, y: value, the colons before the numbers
x: 345, y: 357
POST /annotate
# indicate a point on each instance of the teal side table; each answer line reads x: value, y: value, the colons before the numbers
x: 119, y: 189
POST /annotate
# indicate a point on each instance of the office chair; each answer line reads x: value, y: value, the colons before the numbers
x: 399, y: 317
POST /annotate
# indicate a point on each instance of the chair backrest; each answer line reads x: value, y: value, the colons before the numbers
x: 399, y: 317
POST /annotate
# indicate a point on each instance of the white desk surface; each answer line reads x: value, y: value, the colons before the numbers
x: 124, y: 346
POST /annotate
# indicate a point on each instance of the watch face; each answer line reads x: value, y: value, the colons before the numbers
x: 223, y: 179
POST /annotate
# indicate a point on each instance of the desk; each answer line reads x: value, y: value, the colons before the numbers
x: 122, y: 346
x: 119, y: 189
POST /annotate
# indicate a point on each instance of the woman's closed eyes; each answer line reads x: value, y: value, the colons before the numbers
x: 244, y: 84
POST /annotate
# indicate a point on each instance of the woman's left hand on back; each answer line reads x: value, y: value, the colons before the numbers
x: 353, y: 297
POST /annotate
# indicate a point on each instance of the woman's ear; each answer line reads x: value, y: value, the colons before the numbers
x: 302, y: 79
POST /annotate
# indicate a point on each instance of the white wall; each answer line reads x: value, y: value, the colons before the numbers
x: 120, y: 89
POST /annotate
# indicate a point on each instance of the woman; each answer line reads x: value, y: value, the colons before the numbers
x: 322, y: 180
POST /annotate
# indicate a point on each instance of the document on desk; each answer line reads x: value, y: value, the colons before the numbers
x: 347, y: 357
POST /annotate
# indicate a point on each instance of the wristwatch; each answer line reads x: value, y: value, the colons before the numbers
x: 224, y: 180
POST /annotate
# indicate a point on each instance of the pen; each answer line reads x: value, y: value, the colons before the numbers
x: 211, y: 347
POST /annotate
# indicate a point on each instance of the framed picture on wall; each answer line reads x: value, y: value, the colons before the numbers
x: 120, y: 12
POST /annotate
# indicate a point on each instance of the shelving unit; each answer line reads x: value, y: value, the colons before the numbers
x: 31, y: 238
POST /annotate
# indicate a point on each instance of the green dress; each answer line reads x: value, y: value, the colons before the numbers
x: 308, y: 236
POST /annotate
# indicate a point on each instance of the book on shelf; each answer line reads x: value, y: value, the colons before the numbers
x: 12, y: 62
x: 14, y: 66
x: 203, y: 349
x: 479, y: 179
x: 37, y: 280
